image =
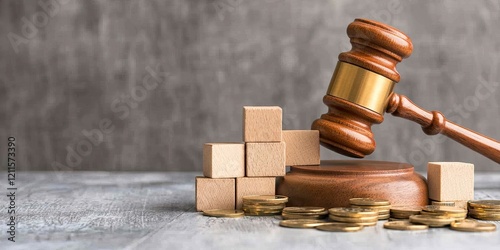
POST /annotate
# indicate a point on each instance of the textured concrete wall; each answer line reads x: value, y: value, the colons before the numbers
x: 163, y: 77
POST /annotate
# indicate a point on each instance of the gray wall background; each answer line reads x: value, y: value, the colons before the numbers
x: 82, y: 63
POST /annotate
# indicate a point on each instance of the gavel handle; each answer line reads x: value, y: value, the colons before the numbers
x: 435, y: 123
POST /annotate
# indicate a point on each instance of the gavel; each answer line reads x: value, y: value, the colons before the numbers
x: 361, y: 91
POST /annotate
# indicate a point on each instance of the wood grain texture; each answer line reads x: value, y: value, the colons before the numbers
x: 302, y: 147
x: 254, y: 186
x: 270, y: 52
x: 262, y: 124
x: 215, y: 193
x: 265, y: 159
x: 224, y: 160
x: 434, y: 123
x: 450, y: 181
x: 140, y: 210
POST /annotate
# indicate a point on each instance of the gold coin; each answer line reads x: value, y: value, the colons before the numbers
x: 384, y: 207
x: 304, y: 209
x: 266, y: 198
x: 354, y: 219
x: 302, y: 223
x: 485, y: 217
x: 443, y: 209
x: 472, y: 226
x: 343, y: 227
x: 352, y: 212
x: 431, y: 221
x: 369, y: 202
x: 270, y: 211
x: 495, y: 204
x: 384, y: 217
x: 300, y: 216
x: 406, y: 209
x: 444, y: 203
x: 263, y: 207
x: 230, y: 213
x: 319, y: 213
x: 453, y: 215
x: 404, y: 225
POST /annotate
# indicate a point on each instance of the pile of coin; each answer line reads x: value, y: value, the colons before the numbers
x: 304, y: 213
x: 431, y: 220
x: 264, y: 204
x: 354, y: 215
x: 303, y: 223
x: 485, y: 209
x: 456, y: 213
x: 381, y: 206
x: 404, y: 212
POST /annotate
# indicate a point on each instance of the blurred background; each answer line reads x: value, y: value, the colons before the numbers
x: 141, y: 85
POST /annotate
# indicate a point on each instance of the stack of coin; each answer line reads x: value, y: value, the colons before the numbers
x: 456, y: 213
x: 304, y: 213
x: 354, y: 215
x: 431, y: 220
x: 485, y: 209
x: 404, y: 212
x: 264, y: 204
x: 382, y: 206
x: 404, y: 226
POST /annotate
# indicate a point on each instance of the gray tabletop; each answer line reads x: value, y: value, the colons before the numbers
x: 137, y: 210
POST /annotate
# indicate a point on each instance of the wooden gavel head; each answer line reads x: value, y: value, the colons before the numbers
x: 360, y: 88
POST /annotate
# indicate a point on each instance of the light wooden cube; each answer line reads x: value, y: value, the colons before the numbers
x: 302, y: 147
x: 450, y: 181
x: 262, y: 124
x: 254, y: 186
x: 224, y: 160
x: 215, y: 193
x: 265, y: 159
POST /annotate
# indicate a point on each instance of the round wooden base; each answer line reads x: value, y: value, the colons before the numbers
x: 333, y: 183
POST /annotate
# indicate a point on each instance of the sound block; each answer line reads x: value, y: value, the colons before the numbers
x: 334, y: 182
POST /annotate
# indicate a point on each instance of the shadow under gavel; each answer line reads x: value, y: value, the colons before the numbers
x: 361, y: 91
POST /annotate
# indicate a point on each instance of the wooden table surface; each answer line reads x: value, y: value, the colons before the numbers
x: 137, y: 210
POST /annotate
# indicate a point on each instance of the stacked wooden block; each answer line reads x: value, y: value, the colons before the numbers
x: 234, y: 170
x: 451, y: 181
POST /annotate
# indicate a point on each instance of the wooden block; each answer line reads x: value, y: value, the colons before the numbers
x: 262, y: 124
x: 215, y: 193
x: 254, y: 186
x: 450, y: 181
x: 265, y: 159
x: 224, y: 160
x: 302, y: 147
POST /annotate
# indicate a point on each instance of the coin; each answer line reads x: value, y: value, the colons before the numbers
x: 495, y: 204
x: 431, y: 221
x: 353, y: 219
x: 406, y: 209
x: 352, y: 212
x: 266, y: 198
x: 302, y: 223
x: 443, y: 209
x: 230, y: 213
x: 304, y: 209
x: 382, y: 207
x: 453, y: 215
x: 404, y: 225
x: 343, y: 227
x: 384, y: 217
x: 280, y: 207
x: 472, y: 226
x: 485, y: 217
x: 369, y: 202
x: 444, y: 203
x: 296, y: 216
